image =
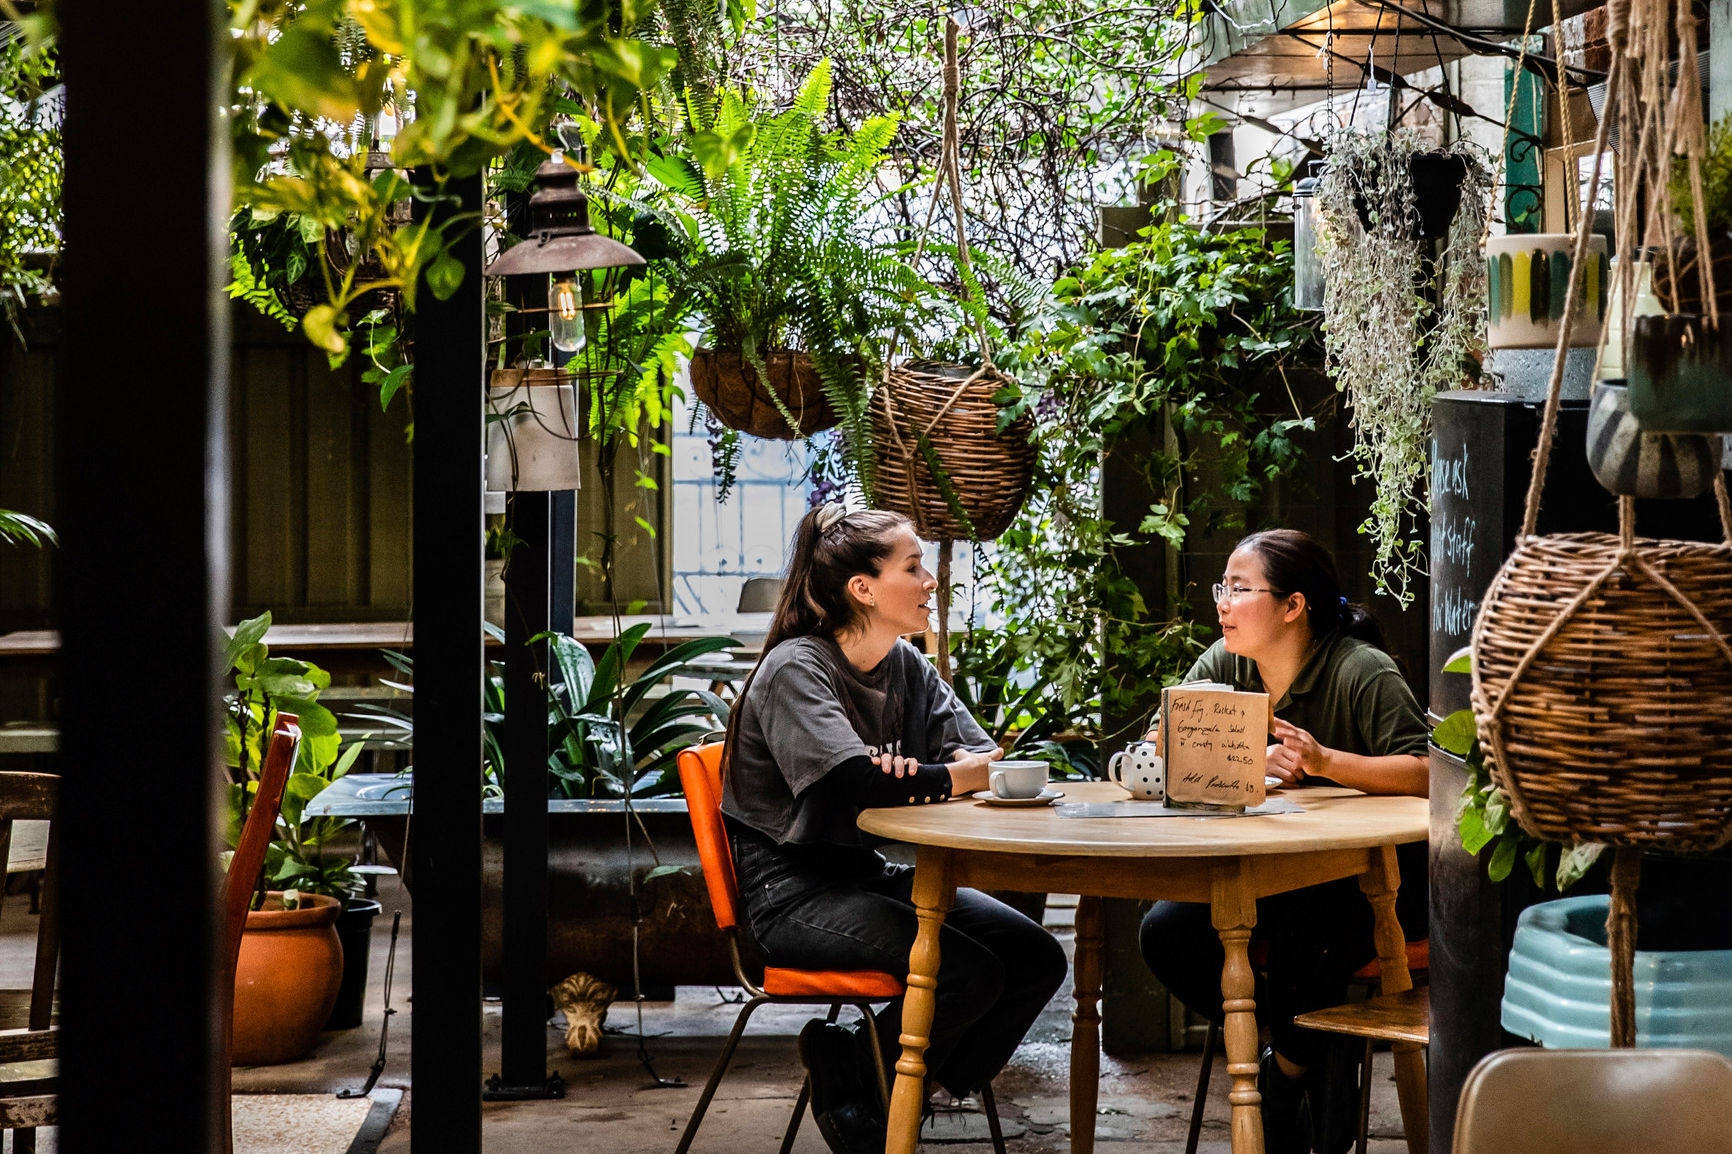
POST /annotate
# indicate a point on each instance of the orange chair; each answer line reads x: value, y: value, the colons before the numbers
x: 1399, y: 1006
x: 701, y: 777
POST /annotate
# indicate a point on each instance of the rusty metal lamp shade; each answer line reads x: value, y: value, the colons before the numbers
x: 561, y: 238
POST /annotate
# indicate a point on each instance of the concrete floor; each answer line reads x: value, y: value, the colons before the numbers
x: 612, y: 1102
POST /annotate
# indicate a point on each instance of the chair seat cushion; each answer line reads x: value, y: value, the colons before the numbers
x: 1418, y: 959
x: 872, y: 984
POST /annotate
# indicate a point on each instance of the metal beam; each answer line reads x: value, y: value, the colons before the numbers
x: 445, y: 830
x: 141, y: 435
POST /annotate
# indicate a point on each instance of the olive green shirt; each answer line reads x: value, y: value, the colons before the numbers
x: 1349, y: 695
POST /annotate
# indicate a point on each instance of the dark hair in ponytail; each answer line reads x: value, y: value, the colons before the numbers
x: 814, y: 601
x: 1296, y: 562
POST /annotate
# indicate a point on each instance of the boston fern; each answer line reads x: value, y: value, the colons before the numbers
x: 775, y: 247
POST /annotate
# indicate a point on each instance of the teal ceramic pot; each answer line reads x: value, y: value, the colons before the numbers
x: 1680, y: 374
x: 1632, y: 463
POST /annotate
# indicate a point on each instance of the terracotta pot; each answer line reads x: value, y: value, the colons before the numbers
x: 731, y: 389
x: 286, y: 980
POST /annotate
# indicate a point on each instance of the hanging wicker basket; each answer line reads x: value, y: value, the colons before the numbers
x: 928, y: 413
x: 731, y: 389
x: 1601, y: 681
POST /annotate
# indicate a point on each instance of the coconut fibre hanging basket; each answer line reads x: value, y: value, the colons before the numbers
x: 944, y: 462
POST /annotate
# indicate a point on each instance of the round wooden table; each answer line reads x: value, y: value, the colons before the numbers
x: 1228, y: 862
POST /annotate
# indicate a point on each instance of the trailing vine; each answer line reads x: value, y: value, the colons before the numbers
x: 1401, y: 325
x: 1187, y: 328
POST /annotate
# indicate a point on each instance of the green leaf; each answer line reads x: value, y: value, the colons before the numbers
x: 1456, y: 733
x: 394, y: 380
x: 319, y: 324
x: 246, y: 635
x: 665, y: 870
x: 1496, y: 811
x: 1461, y: 661
x: 1503, y: 859
x: 445, y: 276
x: 1536, y: 862
x: 1470, y: 823
x: 1576, y: 861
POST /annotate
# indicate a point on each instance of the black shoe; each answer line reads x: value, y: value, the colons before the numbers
x: 849, y: 1120
x: 1333, y: 1088
x: 1286, y: 1116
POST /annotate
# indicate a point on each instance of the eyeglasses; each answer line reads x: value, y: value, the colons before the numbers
x: 1233, y: 593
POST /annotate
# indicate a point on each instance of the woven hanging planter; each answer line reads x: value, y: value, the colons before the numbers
x: 1601, y: 679
x: 945, y: 465
x: 730, y: 388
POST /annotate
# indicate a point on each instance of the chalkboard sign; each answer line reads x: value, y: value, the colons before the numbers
x: 1216, y: 740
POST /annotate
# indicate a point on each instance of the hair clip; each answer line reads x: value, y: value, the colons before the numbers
x: 829, y: 514
x: 1344, y: 602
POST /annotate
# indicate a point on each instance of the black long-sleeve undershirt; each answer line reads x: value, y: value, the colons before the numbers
x: 868, y: 786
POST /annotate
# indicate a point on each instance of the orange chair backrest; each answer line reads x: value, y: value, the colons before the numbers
x: 701, y: 778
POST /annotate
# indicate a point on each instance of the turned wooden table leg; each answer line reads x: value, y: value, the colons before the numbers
x: 1234, y: 911
x: 1085, y: 1038
x: 934, y: 891
x: 1379, y: 884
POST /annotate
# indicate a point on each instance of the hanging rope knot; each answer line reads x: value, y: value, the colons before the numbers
x: 1618, y: 25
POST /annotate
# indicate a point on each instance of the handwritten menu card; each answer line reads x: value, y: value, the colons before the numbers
x: 1215, y: 739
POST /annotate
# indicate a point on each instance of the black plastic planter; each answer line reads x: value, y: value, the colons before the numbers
x: 354, y: 930
x: 1437, y: 180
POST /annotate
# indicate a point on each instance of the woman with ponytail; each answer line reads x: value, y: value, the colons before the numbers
x: 1343, y: 715
x: 840, y: 715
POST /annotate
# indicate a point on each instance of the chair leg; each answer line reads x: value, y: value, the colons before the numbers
x: 716, y: 1074
x: 1211, y: 1042
x: 799, y: 1113
x: 990, y: 1105
x: 877, y: 1055
x: 1364, y: 1099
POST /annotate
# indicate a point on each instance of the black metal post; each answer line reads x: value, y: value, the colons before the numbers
x: 523, y: 1043
x: 141, y: 435
x: 562, y: 558
x: 445, y: 830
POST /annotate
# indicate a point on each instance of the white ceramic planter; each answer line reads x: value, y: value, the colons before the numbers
x: 1527, y: 275
x: 532, y: 431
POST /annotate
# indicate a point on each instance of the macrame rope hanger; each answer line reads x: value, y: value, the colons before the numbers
x: 906, y: 453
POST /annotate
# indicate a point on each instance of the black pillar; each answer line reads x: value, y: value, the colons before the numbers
x: 523, y: 1041
x: 445, y: 831
x: 143, y: 569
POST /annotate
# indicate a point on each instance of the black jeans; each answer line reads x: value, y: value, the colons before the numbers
x: 998, y: 968
x: 1316, y: 938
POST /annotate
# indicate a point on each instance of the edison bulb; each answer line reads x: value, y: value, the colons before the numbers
x: 565, y: 314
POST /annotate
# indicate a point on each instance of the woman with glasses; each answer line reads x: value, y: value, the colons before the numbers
x: 1343, y: 715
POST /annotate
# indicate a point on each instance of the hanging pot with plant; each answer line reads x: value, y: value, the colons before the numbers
x: 945, y: 462
x: 1436, y: 178
x: 1680, y: 370
x: 1402, y: 322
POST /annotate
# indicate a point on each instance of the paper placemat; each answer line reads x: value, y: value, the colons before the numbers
x: 1161, y: 809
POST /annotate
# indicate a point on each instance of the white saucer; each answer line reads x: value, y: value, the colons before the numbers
x: 1270, y: 781
x: 1045, y: 797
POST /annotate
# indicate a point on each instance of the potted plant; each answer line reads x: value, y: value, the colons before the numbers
x: 611, y: 753
x: 1402, y: 322
x: 292, y: 959
x: 774, y: 252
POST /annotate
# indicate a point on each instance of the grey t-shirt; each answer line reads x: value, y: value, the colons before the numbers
x: 808, y: 710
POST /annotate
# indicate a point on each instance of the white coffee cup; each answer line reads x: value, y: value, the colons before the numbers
x: 1139, y: 770
x: 1018, y: 779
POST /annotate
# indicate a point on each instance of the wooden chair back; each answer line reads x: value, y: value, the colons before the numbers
x: 243, y: 876
x: 1606, y: 1101
x: 28, y: 1098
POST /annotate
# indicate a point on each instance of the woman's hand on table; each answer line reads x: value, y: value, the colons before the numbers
x: 1296, y: 755
x: 971, y: 770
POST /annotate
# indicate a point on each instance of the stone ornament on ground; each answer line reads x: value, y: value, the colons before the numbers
x: 583, y: 999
